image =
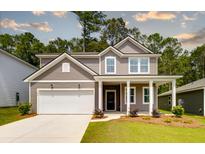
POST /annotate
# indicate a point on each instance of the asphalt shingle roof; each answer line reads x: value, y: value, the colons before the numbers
x: 199, y: 84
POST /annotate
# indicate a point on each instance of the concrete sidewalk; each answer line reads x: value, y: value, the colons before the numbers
x: 46, y: 128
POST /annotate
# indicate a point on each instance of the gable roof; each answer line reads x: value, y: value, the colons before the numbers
x: 54, y: 62
x: 196, y: 85
x: 18, y: 59
x: 135, y: 42
x: 118, y: 52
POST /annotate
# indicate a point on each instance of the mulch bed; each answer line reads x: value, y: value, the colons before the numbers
x: 167, y: 121
x: 26, y: 115
x: 93, y: 117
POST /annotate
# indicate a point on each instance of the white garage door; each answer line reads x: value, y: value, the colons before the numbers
x: 65, y: 102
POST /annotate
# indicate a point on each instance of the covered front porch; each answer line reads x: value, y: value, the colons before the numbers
x: 142, y: 92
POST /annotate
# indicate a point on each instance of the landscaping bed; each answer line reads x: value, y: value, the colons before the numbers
x: 167, y: 121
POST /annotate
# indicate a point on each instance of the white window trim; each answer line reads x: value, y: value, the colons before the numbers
x: 64, y: 70
x: 139, y: 69
x: 125, y: 93
x: 143, y: 95
x: 110, y: 57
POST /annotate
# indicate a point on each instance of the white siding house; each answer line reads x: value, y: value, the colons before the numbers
x: 12, y: 72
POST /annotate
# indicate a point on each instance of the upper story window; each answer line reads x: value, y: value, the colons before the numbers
x: 65, y: 67
x: 138, y: 65
x: 110, y: 65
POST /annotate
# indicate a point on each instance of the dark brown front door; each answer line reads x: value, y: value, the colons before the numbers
x: 111, y: 100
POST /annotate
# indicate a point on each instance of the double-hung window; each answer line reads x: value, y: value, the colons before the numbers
x: 134, y: 65
x: 138, y: 65
x: 145, y: 95
x: 144, y: 65
x: 110, y: 65
x: 132, y: 95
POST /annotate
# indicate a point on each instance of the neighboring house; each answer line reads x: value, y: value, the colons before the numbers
x: 191, y: 96
x: 12, y: 72
x: 78, y: 83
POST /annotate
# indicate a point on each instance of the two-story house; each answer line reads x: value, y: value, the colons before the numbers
x: 79, y: 83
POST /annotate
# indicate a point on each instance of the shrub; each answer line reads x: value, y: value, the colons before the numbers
x: 156, y: 114
x: 177, y: 120
x: 24, y: 108
x: 168, y: 120
x: 188, y: 121
x: 178, y: 110
x: 98, y: 113
x: 134, y: 113
x: 146, y: 118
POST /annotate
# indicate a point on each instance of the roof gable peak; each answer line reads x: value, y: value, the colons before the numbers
x: 134, y: 42
x: 54, y: 62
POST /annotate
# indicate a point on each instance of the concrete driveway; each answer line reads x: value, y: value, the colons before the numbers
x: 46, y: 128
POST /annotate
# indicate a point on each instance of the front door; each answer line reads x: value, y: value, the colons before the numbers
x: 110, y: 100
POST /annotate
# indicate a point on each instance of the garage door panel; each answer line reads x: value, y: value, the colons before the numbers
x: 66, y: 102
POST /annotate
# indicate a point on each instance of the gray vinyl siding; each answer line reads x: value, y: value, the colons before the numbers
x: 92, y: 63
x: 12, y: 73
x: 45, y: 61
x: 122, y: 64
x: 129, y: 47
x: 193, y: 101
x: 55, y: 73
x: 139, y: 98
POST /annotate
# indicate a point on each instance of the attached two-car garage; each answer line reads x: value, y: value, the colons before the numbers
x: 65, y: 101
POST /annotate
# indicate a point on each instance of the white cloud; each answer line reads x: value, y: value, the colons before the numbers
x: 183, y: 24
x: 42, y: 26
x: 195, y: 38
x: 12, y: 24
x: 59, y: 13
x: 184, y: 36
x: 38, y: 13
x: 187, y: 18
x: 153, y: 15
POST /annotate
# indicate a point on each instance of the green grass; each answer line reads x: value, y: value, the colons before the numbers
x: 121, y: 131
x: 9, y: 114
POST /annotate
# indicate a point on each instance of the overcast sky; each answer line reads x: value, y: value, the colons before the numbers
x: 189, y: 27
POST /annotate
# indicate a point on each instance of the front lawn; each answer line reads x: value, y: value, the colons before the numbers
x: 10, y: 114
x: 123, y: 130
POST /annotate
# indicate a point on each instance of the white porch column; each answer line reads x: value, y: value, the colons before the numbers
x: 156, y: 97
x: 151, y: 97
x: 173, y: 93
x: 100, y: 104
x: 128, y: 98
